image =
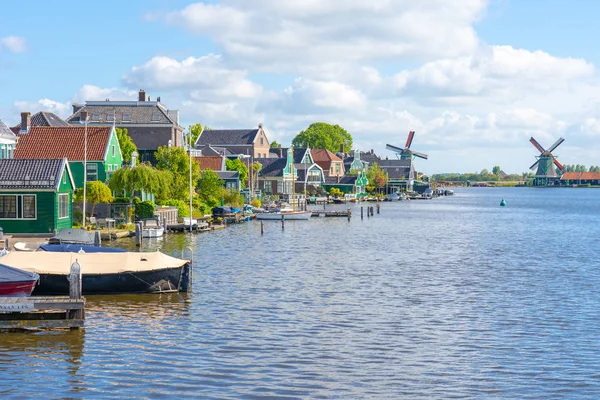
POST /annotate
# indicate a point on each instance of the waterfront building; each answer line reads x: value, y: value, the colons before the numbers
x: 150, y: 124
x: 251, y: 142
x: 35, y: 195
x: 8, y: 141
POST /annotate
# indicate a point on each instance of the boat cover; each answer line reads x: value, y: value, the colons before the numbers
x: 43, y: 262
x: 10, y: 274
x: 71, y: 235
x: 75, y: 248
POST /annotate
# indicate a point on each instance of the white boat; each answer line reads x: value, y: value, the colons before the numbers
x: 285, y: 215
x: 151, y: 228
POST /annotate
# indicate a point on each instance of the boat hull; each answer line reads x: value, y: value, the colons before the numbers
x: 152, y: 232
x: 154, y: 281
x: 17, y: 289
x: 292, y: 216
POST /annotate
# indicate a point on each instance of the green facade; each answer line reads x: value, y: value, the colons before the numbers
x: 99, y: 170
x: 47, y: 205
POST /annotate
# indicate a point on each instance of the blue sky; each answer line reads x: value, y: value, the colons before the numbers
x: 474, y: 78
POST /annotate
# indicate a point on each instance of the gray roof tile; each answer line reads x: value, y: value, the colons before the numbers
x: 227, y: 137
x: 30, y: 173
x: 147, y: 112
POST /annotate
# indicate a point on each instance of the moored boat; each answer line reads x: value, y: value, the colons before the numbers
x: 74, y: 236
x: 15, y: 282
x: 285, y: 215
x: 151, y: 228
x: 105, y: 273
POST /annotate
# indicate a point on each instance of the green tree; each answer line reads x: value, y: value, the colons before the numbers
x: 95, y: 192
x: 126, y: 144
x: 256, y: 168
x: 142, y: 177
x: 233, y: 198
x: 238, y: 165
x: 177, y: 161
x: 320, y: 135
x: 496, y: 170
x: 210, y: 187
x: 274, y: 145
x: 376, y: 176
x: 335, y: 192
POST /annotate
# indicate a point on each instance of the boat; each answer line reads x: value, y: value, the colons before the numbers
x: 22, y: 246
x: 396, y: 197
x: 337, y: 200
x: 151, y: 228
x: 104, y: 273
x: 15, y: 282
x: 77, y: 248
x: 74, y: 236
x: 285, y: 214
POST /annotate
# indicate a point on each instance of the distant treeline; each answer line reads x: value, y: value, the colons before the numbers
x: 483, y: 176
x: 581, y: 168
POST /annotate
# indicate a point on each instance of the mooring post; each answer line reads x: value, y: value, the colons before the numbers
x: 164, y: 221
x: 138, y: 234
x: 262, y: 228
x: 97, y: 238
x: 378, y: 206
x: 349, y: 214
x: 282, y: 222
x: 75, y: 281
x: 361, y: 213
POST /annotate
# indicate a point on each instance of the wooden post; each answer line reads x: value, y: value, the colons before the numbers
x: 282, y: 222
x: 361, y: 213
x: 138, y: 234
x: 262, y: 228
x: 75, y: 281
x: 378, y: 207
x: 165, y: 223
x: 97, y: 238
x: 349, y: 214
x: 6, y: 243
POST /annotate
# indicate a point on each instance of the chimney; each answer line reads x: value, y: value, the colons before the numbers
x: 83, y: 116
x: 25, y: 122
x: 158, y: 99
x: 260, y: 126
x: 280, y: 150
x: 142, y: 95
x: 371, y: 151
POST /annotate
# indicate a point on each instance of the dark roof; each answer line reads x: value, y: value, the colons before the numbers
x: 5, y: 131
x: 143, y: 112
x: 67, y: 141
x: 396, y: 169
x: 43, y: 118
x: 227, y: 137
x: 228, y: 175
x: 31, y: 173
x: 209, y: 150
x: 272, y: 166
x: 344, y: 180
x: 149, y: 138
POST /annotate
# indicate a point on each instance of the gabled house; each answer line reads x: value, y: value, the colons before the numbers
x: 252, y: 142
x: 35, y: 195
x: 401, y: 174
x: 8, y: 141
x: 103, y: 151
x: 149, y: 123
x: 332, y: 165
x: 41, y: 118
x: 231, y: 179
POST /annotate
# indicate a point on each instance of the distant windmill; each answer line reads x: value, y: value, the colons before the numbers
x: 546, y: 173
x: 407, y: 154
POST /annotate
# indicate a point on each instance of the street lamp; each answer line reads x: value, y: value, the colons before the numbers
x: 84, y: 117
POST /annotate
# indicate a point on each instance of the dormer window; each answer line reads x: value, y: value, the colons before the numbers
x: 155, y: 117
x: 126, y: 116
x: 95, y: 117
x: 110, y: 117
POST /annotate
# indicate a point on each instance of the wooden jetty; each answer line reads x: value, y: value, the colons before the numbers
x: 336, y: 213
x: 34, y: 313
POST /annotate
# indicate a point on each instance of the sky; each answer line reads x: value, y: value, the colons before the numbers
x: 474, y: 79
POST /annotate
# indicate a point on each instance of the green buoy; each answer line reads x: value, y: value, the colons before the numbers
x: 502, y: 203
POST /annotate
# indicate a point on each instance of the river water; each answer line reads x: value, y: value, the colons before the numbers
x: 454, y: 297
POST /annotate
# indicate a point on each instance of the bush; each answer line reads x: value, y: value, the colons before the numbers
x: 255, y: 203
x: 183, y: 209
x: 144, y: 209
x: 135, y: 200
x: 121, y: 200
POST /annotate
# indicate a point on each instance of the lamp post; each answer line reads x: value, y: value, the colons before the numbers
x: 84, y: 117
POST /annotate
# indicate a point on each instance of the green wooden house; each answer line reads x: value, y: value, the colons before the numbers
x: 102, y: 154
x: 35, y: 195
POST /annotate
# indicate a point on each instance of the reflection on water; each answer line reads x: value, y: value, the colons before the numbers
x: 454, y: 297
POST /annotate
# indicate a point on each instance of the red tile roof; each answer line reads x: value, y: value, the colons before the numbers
x: 584, y: 176
x: 210, y: 162
x: 63, y: 141
x: 323, y: 158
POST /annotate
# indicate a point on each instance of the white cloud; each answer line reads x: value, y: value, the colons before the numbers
x: 95, y: 93
x: 204, y: 78
x: 63, y: 110
x: 14, y: 44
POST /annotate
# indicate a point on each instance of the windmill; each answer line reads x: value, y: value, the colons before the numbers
x: 546, y: 173
x: 407, y: 154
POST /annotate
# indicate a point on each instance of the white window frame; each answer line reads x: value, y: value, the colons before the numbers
x: 126, y: 117
x: 62, y: 196
x: 113, y: 150
x: 95, y: 168
x: 19, y: 207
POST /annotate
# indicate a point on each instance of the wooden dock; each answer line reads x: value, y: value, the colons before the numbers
x: 337, y: 213
x: 33, y: 313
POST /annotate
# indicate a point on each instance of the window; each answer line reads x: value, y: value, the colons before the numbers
x: 113, y: 150
x: 64, y: 178
x: 337, y: 169
x: 92, y: 172
x: 110, y: 117
x: 261, y: 141
x: 95, y: 117
x: 29, y: 206
x: 18, y: 206
x: 63, y: 206
x: 109, y: 167
x: 115, y: 167
x: 126, y: 116
x: 155, y: 117
x: 3, y: 152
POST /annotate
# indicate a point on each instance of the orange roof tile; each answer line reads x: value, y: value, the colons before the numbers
x: 210, y: 162
x: 63, y: 141
x: 323, y: 158
x: 584, y: 176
